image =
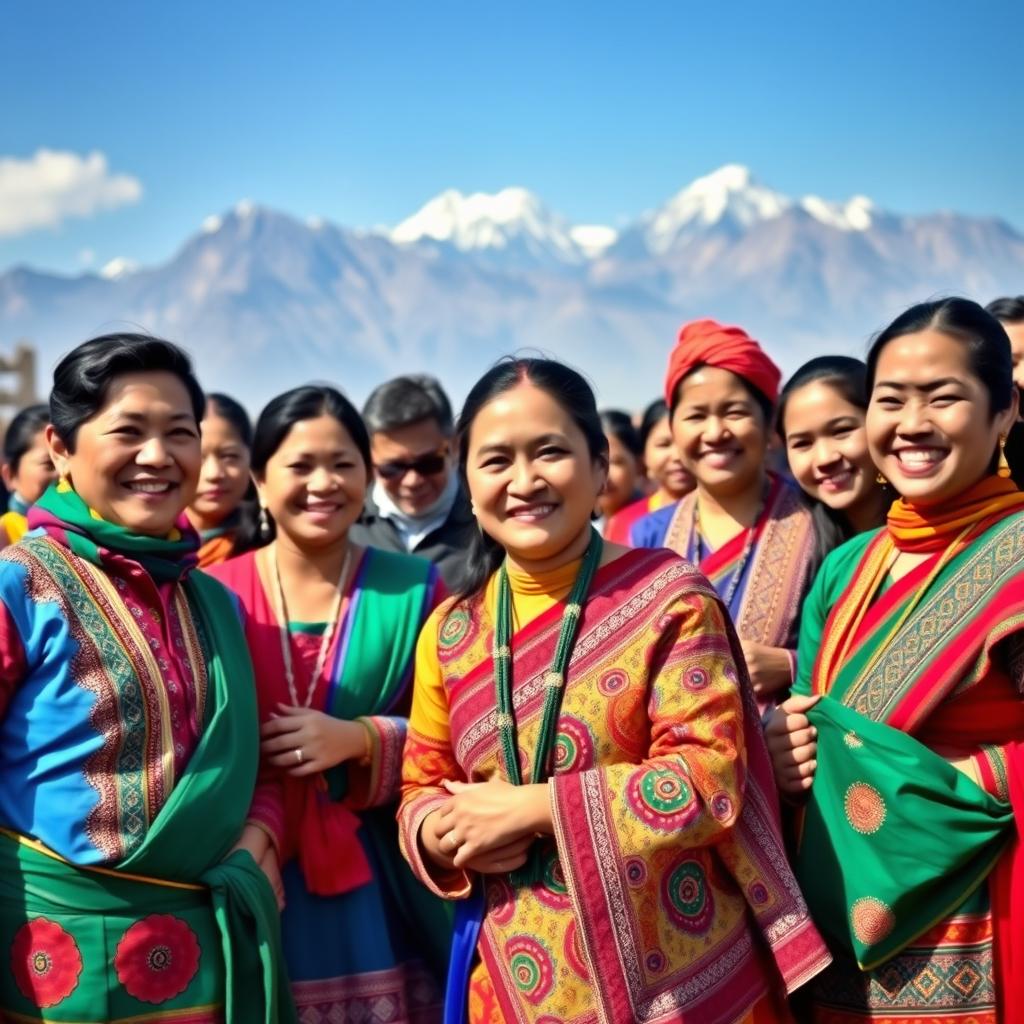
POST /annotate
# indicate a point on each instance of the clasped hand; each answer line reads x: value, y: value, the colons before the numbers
x: 303, y: 742
x: 487, y: 826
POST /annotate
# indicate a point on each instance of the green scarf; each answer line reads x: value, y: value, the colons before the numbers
x: 62, y: 513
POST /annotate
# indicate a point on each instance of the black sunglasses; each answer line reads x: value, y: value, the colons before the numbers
x: 425, y: 465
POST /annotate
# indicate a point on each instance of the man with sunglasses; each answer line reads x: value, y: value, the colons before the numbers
x: 416, y: 503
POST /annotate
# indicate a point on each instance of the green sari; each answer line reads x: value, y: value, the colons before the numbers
x: 102, y: 944
x: 896, y: 845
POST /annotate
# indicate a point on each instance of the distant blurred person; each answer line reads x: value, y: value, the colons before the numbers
x: 223, y: 510
x: 27, y: 470
x: 416, y: 504
x: 1009, y: 311
x: 625, y: 469
x: 667, y: 477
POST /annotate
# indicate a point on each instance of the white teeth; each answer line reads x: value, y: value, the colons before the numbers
x: 919, y: 457
x: 150, y: 488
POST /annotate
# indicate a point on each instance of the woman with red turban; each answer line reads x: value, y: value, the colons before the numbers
x: 750, y: 532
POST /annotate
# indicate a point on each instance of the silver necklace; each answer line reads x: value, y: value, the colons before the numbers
x: 281, y: 612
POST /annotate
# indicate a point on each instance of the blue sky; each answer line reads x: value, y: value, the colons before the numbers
x: 361, y: 112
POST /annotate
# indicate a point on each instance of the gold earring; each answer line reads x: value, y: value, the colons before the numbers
x: 879, y: 479
x: 1003, y: 467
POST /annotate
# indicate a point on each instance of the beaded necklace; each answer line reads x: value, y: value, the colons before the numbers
x: 285, y: 636
x: 741, y: 565
x: 554, y: 681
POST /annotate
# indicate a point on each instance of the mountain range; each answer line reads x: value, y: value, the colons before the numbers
x: 265, y: 301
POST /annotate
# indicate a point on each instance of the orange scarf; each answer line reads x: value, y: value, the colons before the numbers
x: 930, y: 528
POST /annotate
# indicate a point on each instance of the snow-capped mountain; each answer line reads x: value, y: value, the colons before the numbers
x: 513, y: 225
x: 266, y: 301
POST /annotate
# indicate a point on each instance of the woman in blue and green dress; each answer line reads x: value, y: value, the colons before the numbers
x: 128, y: 727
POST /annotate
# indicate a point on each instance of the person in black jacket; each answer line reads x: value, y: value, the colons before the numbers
x: 416, y: 503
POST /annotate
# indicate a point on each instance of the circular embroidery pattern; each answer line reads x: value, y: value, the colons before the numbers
x: 636, y: 872
x: 721, y: 806
x: 662, y: 798
x: 758, y: 893
x: 454, y: 629
x: 45, y: 962
x: 612, y: 683
x: 627, y: 721
x: 574, y: 745
x: 852, y: 740
x: 552, y: 890
x: 157, y: 958
x: 574, y: 951
x: 531, y: 967
x: 696, y: 679
x: 865, y: 808
x: 872, y: 920
x: 655, y: 961
x: 685, y: 895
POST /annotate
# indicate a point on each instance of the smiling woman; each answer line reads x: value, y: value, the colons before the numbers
x: 584, y: 769
x: 127, y: 723
x: 907, y: 714
x: 332, y: 627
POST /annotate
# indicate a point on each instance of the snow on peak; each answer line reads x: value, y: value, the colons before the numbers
x: 730, y: 194
x: 212, y: 224
x: 117, y: 268
x: 513, y: 217
x: 853, y: 215
x: 593, y: 239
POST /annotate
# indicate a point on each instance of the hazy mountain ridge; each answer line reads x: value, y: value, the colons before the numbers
x: 265, y: 301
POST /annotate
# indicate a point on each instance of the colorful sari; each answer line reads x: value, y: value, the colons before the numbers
x: 666, y: 894
x: 362, y: 941
x: 619, y: 526
x: 127, y: 732
x: 774, y: 577
x: 913, y: 869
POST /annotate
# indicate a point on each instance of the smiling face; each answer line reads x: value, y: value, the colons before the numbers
x: 35, y: 471
x: 664, y: 464
x: 315, y: 483
x: 720, y: 432
x: 827, y: 447
x: 929, y: 423
x: 623, y: 476
x: 1016, y: 335
x: 224, y: 477
x: 532, y: 479
x: 413, y: 464
x: 136, y: 460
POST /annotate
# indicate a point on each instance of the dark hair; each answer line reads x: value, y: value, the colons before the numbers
x: 23, y: 430
x: 620, y: 426
x: 280, y: 414
x: 844, y: 374
x: 847, y: 376
x: 224, y: 406
x: 761, y: 400
x: 570, y: 390
x: 409, y: 399
x: 653, y: 415
x: 83, y: 377
x: 985, y: 338
x: 1007, y: 310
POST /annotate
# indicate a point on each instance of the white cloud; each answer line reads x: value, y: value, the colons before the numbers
x: 49, y: 187
x: 118, y: 267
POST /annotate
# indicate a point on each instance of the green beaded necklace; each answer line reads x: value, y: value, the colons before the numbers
x: 554, y: 682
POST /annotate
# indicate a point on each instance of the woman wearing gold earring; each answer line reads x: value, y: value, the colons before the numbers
x: 903, y: 738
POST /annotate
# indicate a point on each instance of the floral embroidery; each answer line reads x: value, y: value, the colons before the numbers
x: 686, y: 897
x: 662, y: 798
x: 45, y: 962
x: 852, y: 740
x: 157, y: 958
x: 872, y: 920
x: 574, y: 746
x: 865, y: 808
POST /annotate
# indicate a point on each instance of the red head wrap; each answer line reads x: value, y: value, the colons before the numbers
x: 729, y: 348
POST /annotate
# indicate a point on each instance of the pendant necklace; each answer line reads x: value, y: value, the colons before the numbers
x: 554, y: 681
x: 285, y: 636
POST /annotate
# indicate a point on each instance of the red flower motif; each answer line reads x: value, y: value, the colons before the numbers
x: 157, y: 958
x: 45, y: 962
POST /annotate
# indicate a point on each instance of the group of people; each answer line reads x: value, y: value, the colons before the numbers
x: 540, y: 715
